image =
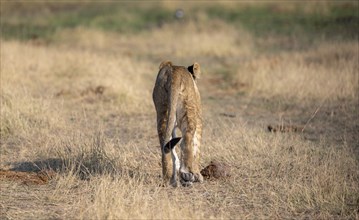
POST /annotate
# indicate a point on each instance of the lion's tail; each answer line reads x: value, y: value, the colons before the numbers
x: 171, y: 144
x: 171, y: 120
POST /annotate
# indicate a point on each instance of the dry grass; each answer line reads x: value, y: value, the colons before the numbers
x: 82, y: 107
x: 327, y: 71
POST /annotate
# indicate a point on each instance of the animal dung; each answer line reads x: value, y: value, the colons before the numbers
x: 216, y: 170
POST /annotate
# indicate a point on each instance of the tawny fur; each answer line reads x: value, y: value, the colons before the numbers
x: 178, y: 104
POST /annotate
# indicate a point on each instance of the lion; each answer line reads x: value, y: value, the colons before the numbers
x: 178, y: 106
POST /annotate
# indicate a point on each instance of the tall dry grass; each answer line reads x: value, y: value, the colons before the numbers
x: 40, y: 86
x: 84, y: 109
x: 326, y: 71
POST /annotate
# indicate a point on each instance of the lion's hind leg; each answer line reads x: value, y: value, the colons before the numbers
x: 196, y: 154
x: 186, y: 171
x: 166, y: 156
x: 190, y: 170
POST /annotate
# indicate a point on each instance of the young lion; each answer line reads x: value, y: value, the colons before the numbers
x: 178, y: 105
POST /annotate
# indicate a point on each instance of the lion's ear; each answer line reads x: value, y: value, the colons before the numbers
x: 165, y: 63
x: 195, y: 69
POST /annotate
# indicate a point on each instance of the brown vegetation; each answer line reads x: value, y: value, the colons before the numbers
x: 38, y: 178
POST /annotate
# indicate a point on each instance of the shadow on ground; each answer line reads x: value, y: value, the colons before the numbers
x: 85, y: 170
x: 55, y: 164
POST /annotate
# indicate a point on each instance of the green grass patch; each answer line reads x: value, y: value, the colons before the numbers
x: 29, y: 20
x: 25, y: 23
x: 339, y: 21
